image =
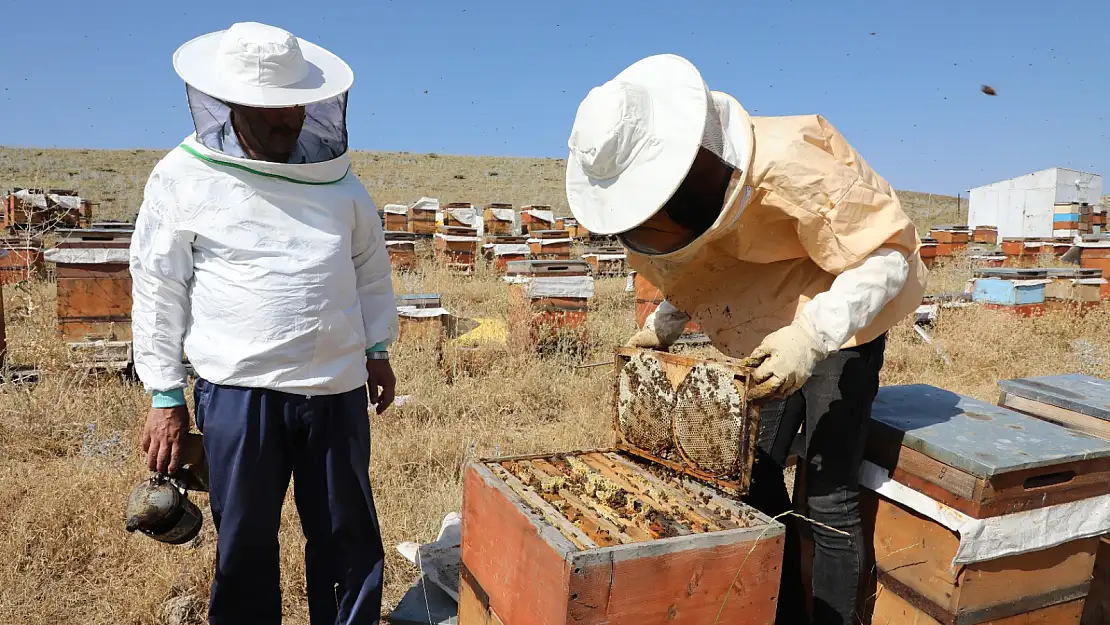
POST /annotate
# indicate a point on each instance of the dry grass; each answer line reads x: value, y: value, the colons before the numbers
x: 68, y: 445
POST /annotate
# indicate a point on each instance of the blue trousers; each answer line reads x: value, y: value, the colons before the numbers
x: 254, y: 440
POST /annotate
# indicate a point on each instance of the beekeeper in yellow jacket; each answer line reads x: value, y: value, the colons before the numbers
x: 788, y: 250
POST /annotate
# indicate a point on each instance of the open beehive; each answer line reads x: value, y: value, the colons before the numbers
x: 688, y: 414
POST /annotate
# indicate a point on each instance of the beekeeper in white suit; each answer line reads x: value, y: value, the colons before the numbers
x: 786, y: 248
x: 258, y: 252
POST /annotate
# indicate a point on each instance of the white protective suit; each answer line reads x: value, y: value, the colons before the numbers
x: 269, y: 275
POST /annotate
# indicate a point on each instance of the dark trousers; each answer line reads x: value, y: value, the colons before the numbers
x: 255, y: 439
x: 834, y: 405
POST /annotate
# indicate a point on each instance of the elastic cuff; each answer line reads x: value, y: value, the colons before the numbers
x: 168, y: 399
x: 377, y: 347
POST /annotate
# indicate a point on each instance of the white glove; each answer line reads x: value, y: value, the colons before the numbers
x: 661, y: 329
x: 785, y: 360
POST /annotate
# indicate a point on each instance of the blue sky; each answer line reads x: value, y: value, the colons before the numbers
x: 899, y: 79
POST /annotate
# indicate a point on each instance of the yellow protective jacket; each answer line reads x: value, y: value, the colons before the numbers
x: 808, y: 209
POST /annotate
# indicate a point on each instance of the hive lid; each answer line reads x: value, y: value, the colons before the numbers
x: 1084, y: 394
x: 1008, y: 273
x: 506, y: 238
x: 1074, y: 273
x: 419, y: 300
x: 976, y: 437
x: 399, y: 235
x: 547, y: 267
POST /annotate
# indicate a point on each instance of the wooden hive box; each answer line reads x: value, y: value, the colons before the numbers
x: 422, y: 217
x: 1095, y: 254
x: 892, y: 609
x: 395, y: 218
x: 421, y: 317
x: 461, y: 215
x: 549, y: 300
x: 500, y: 250
x: 499, y: 219
x: 984, y: 461
x: 536, y: 217
x: 648, y: 298
x: 550, y: 244
x: 1074, y: 286
x: 93, y: 284
x: 607, y: 261
x: 456, y: 247
x: 24, y: 259
x: 951, y: 234
x: 1081, y: 403
x: 402, y: 249
x: 597, y: 538
x: 928, y: 251
x: 985, y: 234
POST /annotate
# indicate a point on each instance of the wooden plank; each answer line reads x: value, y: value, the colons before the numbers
x: 510, y: 551
x: 917, y: 553
x: 952, y: 480
x: 723, y: 577
x: 892, y: 609
x: 1097, y: 609
x: 976, y: 437
x: 1074, y: 392
x: 473, y: 601
x: 1095, y: 426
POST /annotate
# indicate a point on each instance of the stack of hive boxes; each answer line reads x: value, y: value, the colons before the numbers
x: 456, y: 247
x: 951, y: 240
x: 503, y: 249
x: 94, y: 295
x: 499, y: 219
x: 1098, y: 219
x: 23, y: 261
x: 1065, y: 219
x: 421, y: 318
x: 1020, y: 291
x: 461, y: 215
x: 548, y: 300
x: 1095, y: 254
x: 402, y: 250
x: 536, y: 217
x: 1074, y: 287
x: 607, y: 261
x: 550, y: 244
x: 1080, y: 403
x: 979, y: 514
x: 422, y: 216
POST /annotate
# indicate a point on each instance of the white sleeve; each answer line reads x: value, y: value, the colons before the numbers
x: 372, y: 275
x: 856, y: 297
x: 667, y: 322
x: 161, y: 262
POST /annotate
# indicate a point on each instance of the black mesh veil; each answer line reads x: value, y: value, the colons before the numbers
x: 323, y: 137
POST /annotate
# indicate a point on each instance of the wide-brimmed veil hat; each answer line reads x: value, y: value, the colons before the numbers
x: 262, y: 66
x: 635, y: 138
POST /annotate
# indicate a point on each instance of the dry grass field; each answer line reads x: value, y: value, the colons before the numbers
x: 68, y: 445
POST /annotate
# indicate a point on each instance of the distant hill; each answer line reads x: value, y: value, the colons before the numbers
x: 115, y: 179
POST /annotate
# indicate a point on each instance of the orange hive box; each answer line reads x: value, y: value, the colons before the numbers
x: 607, y: 261
x: 598, y: 537
x: 455, y: 247
x: 970, y: 457
x: 536, y: 217
x: 93, y: 284
x: 402, y: 250
x: 499, y: 219
x: 1095, y: 254
x: 461, y: 215
x: 422, y: 216
x: 395, y: 218
x: 503, y: 249
x: 548, y: 299
x: 550, y: 244
x: 648, y: 299
x: 985, y: 234
x: 23, y: 261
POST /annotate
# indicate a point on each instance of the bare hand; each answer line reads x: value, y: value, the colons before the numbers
x: 382, y: 383
x: 164, y: 438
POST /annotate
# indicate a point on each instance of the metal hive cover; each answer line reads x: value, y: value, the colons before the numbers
x: 709, y: 420
x: 646, y: 402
